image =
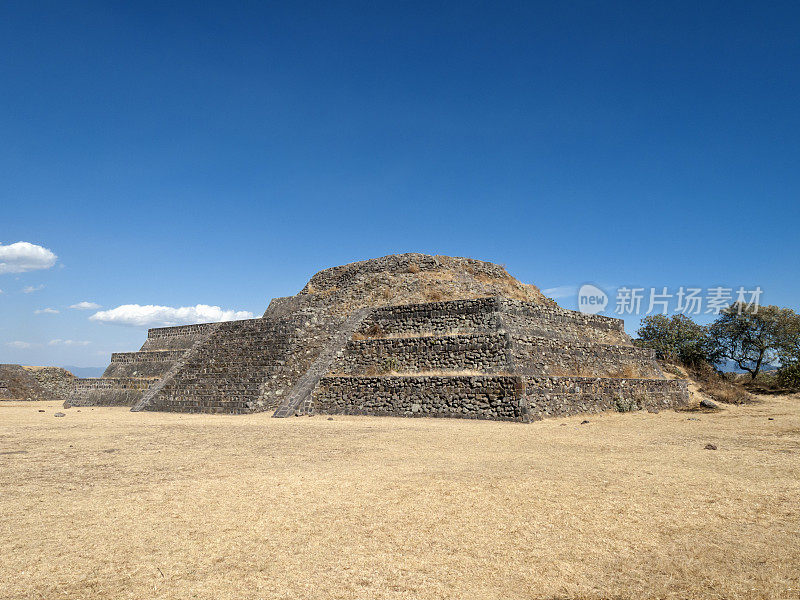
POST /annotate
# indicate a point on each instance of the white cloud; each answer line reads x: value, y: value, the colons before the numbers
x: 19, y: 344
x: 60, y: 342
x: 46, y: 311
x: 32, y: 288
x: 24, y: 256
x: 562, y: 291
x: 136, y: 315
x: 85, y: 306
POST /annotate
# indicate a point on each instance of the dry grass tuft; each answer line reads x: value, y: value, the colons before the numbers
x: 106, y: 503
x: 413, y: 268
x: 433, y: 295
x: 625, y: 372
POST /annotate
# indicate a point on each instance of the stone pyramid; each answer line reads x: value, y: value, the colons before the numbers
x: 404, y: 335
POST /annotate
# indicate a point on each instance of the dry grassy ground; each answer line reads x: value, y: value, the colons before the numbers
x: 105, y: 503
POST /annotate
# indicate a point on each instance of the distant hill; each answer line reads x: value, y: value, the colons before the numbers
x: 728, y: 366
x: 85, y: 371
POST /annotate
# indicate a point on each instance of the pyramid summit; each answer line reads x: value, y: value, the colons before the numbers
x: 404, y: 335
x: 410, y: 279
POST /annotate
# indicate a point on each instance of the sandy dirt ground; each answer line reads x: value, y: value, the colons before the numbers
x: 104, y: 503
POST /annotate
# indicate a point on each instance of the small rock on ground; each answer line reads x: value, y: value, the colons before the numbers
x: 710, y: 447
x: 59, y: 415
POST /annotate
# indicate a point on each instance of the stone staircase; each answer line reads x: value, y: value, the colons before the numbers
x: 227, y: 372
x: 299, y: 399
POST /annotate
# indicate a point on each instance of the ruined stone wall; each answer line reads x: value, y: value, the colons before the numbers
x: 441, y: 318
x: 510, y: 398
x: 122, y: 391
x: 176, y: 338
x: 526, y: 319
x: 57, y: 381
x: 562, y: 396
x: 34, y: 383
x: 477, y: 352
x: 142, y: 364
x: 543, y: 356
x: 469, y: 397
x: 146, y: 356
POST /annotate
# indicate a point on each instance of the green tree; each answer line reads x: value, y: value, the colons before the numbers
x: 751, y: 336
x: 788, y: 374
x: 677, y: 338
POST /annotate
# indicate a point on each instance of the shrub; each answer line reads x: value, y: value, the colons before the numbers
x: 789, y: 376
x: 390, y: 365
x: 627, y: 404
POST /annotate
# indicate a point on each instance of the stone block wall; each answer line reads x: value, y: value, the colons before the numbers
x: 484, y: 352
x: 261, y: 364
x: 562, y: 396
x: 545, y: 356
x: 153, y: 363
x: 497, y: 397
x: 442, y: 318
x: 180, y: 337
x: 526, y: 319
x: 21, y: 383
x: 57, y: 381
x: 122, y: 391
x: 468, y: 397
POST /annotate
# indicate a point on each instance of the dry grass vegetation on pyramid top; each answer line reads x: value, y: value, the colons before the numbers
x: 412, y: 279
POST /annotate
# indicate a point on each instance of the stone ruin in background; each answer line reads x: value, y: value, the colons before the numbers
x: 402, y: 335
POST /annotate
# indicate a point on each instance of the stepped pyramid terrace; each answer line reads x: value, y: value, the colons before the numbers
x: 402, y: 335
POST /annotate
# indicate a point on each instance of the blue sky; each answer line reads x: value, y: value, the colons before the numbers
x: 221, y: 153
